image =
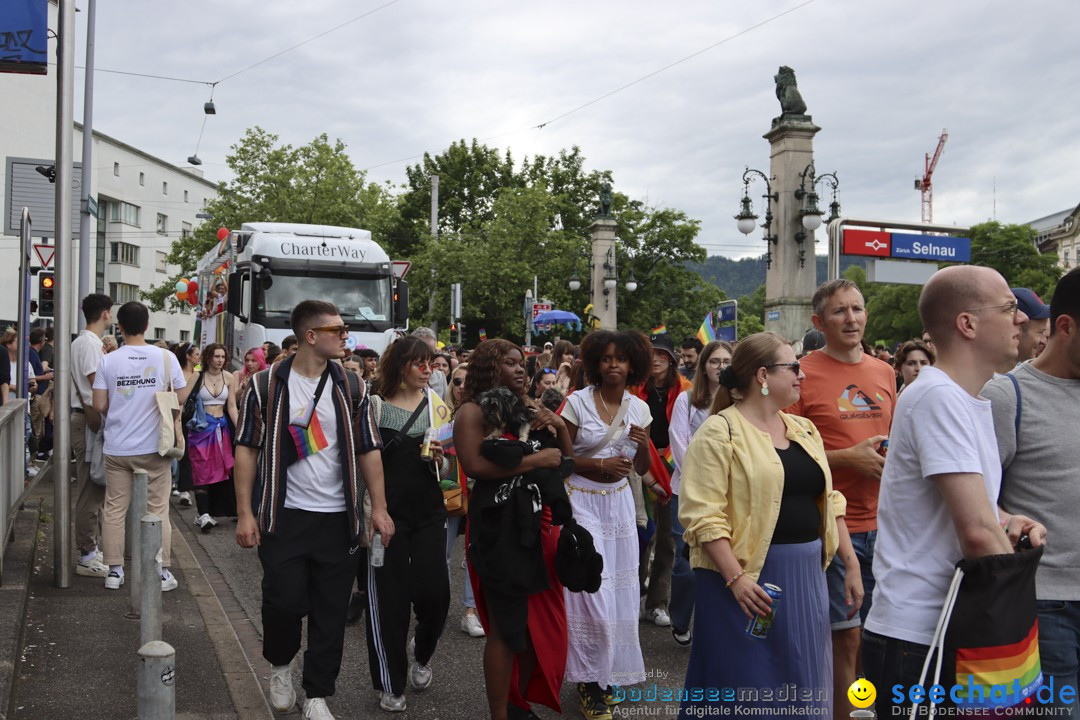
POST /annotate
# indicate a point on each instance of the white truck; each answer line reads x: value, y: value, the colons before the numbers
x: 251, y: 280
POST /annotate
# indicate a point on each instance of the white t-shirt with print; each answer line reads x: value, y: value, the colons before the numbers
x: 314, y: 483
x: 132, y: 375
x: 937, y: 428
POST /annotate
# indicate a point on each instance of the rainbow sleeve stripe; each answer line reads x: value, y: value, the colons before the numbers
x: 1015, y: 667
x: 309, y: 440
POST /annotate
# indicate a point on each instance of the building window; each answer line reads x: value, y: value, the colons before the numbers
x: 164, y: 188
x: 159, y: 333
x: 123, y: 212
x: 142, y: 178
x: 185, y: 196
x: 125, y: 253
x: 185, y: 336
x: 116, y: 169
x: 123, y: 293
x: 185, y: 229
x: 162, y: 224
x: 161, y: 264
x: 1065, y: 259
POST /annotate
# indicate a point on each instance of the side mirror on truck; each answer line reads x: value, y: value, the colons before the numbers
x: 236, y: 296
x: 401, y: 303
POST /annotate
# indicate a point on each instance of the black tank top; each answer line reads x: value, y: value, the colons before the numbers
x: 804, y: 483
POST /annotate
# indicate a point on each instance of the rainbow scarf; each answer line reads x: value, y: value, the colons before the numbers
x: 307, y: 433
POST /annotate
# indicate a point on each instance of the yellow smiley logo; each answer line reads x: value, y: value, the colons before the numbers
x: 862, y: 693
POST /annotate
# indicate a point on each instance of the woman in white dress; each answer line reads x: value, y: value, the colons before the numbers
x: 608, y: 427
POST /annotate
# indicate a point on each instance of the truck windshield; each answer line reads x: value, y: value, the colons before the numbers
x: 358, y: 298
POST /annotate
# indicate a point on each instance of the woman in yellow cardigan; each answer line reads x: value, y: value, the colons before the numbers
x: 757, y: 503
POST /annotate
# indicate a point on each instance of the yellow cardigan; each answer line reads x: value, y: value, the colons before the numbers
x: 732, y: 484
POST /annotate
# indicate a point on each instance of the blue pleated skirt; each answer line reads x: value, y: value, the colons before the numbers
x: 792, y: 667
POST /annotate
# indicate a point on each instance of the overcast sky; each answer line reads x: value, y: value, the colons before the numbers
x: 882, y: 79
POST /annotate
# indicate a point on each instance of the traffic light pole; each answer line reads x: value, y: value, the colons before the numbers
x: 65, y: 106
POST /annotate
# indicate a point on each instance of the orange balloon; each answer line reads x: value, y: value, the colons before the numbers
x: 181, y: 296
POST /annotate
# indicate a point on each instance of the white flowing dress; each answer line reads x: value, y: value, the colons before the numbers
x: 603, y: 626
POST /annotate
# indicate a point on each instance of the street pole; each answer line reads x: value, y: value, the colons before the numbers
x: 528, y: 315
x: 87, y: 153
x: 65, y: 101
x: 434, y: 237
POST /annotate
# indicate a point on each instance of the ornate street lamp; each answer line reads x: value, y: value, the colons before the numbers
x: 809, y: 212
x: 746, y: 219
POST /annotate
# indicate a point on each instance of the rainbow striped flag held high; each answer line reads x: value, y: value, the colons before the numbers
x: 659, y: 330
x: 706, y: 333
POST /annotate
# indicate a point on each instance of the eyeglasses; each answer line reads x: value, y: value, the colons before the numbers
x: 457, y: 381
x: 340, y: 330
x: 1008, y: 308
x: 422, y: 366
x: 795, y: 367
x: 717, y: 362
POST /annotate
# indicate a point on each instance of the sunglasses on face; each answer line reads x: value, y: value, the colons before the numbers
x: 458, y: 381
x: 340, y: 330
x: 793, y: 366
x: 549, y: 371
x: 422, y: 366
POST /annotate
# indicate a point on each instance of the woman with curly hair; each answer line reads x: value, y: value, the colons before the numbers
x: 609, y: 429
x: 911, y: 358
x: 525, y: 651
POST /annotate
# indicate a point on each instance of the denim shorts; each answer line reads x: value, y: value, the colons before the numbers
x: 838, y: 611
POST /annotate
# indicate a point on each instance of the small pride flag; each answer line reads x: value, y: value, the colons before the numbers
x: 659, y: 329
x: 309, y: 438
x: 483, y: 334
x: 706, y: 334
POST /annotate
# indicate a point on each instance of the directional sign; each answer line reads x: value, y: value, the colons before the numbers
x: 92, y: 206
x: 538, y: 308
x: 931, y: 247
x: 866, y: 242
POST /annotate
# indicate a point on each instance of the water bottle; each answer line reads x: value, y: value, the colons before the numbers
x: 378, y: 552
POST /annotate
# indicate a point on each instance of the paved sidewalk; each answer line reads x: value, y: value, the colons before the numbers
x: 77, y: 652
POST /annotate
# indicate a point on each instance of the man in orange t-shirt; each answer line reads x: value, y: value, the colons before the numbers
x: 850, y: 397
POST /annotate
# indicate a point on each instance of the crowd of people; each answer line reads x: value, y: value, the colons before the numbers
x: 791, y: 511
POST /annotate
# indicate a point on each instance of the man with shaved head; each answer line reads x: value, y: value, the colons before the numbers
x: 939, y: 489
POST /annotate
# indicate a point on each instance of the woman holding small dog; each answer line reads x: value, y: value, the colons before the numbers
x: 413, y: 573
x: 608, y: 425
x: 525, y: 652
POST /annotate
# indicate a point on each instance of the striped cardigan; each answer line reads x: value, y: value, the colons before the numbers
x: 263, y: 424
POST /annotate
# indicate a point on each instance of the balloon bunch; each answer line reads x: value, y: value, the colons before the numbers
x: 187, y: 290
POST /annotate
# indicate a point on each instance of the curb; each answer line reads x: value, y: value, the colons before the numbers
x: 241, y: 680
x: 15, y: 595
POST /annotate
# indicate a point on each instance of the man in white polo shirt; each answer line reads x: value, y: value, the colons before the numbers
x: 939, y: 489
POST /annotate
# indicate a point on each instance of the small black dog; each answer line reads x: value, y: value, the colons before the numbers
x: 504, y: 411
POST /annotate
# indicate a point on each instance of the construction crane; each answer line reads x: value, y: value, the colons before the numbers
x: 926, y: 184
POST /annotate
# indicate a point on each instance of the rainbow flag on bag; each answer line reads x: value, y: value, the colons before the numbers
x: 307, y: 433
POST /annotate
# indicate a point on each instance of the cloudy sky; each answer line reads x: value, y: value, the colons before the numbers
x: 882, y: 79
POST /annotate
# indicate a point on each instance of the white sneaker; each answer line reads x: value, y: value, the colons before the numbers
x: 282, y: 695
x: 470, y: 624
x: 114, y: 580
x: 205, y: 522
x: 419, y: 675
x: 315, y: 709
x: 31, y: 471
x: 94, y: 568
x: 657, y: 616
x: 168, y: 581
x: 392, y: 703
x: 185, y: 499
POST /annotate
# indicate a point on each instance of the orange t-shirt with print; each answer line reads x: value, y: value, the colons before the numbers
x: 849, y: 402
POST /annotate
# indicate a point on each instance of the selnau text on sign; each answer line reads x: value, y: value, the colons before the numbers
x: 906, y: 246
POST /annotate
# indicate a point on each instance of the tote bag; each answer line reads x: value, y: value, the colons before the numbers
x: 170, y: 433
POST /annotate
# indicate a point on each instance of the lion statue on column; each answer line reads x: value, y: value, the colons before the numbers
x: 787, y: 92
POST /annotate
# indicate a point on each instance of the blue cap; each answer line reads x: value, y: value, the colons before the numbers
x: 1031, y: 304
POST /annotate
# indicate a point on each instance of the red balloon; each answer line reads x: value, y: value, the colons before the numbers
x: 192, y: 287
x: 192, y: 299
x: 222, y: 233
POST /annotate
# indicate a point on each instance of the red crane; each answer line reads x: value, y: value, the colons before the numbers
x: 926, y: 184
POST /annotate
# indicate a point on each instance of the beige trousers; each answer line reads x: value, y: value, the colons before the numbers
x: 119, y: 476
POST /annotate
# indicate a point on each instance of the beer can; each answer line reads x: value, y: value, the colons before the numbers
x: 425, y: 449
x: 883, y: 448
x: 759, y: 626
x: 378, y: 552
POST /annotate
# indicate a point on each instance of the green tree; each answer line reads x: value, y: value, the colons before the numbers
x: 316, y: 183
x: 892, y: 311
x: 752, y: 312
x: 1010, y: 249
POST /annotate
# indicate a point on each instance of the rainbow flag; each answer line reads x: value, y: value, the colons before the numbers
x: 659, y: 330
x: 706, y: 334
x: 309, y: 438
x: 483, y: 334
x: 1015, y: 667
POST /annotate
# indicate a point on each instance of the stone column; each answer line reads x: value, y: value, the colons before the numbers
x: 603, y: 251
x: 789, y: 287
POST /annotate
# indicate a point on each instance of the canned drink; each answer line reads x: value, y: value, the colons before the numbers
x: 883, y: 448
x: 425, y: 449
x: 378, y: 552
x: 759, y: 626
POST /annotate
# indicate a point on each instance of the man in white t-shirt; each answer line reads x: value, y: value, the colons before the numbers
x: 86, y: 354
x: 939, y: 489
x: 124, y: 389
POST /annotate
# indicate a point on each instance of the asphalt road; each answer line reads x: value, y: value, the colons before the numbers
x: 458, y: 687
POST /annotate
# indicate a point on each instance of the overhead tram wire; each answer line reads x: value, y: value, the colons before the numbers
x: 606, y: 95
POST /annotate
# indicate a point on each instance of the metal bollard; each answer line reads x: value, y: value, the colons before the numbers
x: 136, y: 510
x: 150, y: 609
x: 157, y: 681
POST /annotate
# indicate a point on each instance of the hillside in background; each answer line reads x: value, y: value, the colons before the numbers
x: 742, y: 277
